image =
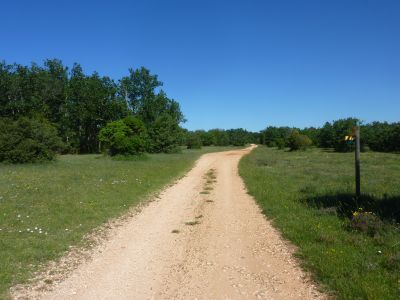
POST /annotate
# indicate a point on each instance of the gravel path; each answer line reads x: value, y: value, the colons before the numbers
x: 192, y: 245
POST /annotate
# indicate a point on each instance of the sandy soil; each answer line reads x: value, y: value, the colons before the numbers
x: 231, y: 252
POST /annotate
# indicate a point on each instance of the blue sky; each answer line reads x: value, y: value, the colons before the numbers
x: 230, y: 63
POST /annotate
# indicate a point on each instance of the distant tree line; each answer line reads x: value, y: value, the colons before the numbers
x: 376, y: 136
x: 219, y: 137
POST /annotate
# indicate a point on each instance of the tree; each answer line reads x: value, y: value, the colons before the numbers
x: 93, y: 102
x: 27, y: 140
x: 51, y: 88
x: 126, y: 136
x: 138, y: 87
x: 297, y: 141
x: 280, y: 143
x: 238, y: 137
x: 271, y: 135
x: 219, y: 137
x: 193, y: 140
x: 326, y: 136
x: 164, y: 135
x: 381, y: 136
x: 205, y: 137
x: 341, y: 128
x: 79, y: 105
x: 312, y: 134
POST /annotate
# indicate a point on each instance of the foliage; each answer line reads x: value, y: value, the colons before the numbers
x: 206, y: 137
x: 80, y: 105
x: 376, y: 136
x: 238, y: 137
x: 164, y: 135
x: 92, y: 103
x: 220, y: 137
x: 279, y: 142
x: 126, y: 136
x: 26, y: 140
x: 271, y: 134
x: 326, y: 136
x: 193, y: 140
x: 297, y: 141
x: 382, y: 137
x: 311, y: 133
x: 341, y: 128
x: 139, y: 89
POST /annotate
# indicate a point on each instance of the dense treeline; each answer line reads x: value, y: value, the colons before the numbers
x: 376, y: 136
x: 220, y: 137
x: 78, y: 106
x: 50, y: 108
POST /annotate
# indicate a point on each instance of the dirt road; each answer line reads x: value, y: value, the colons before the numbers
x: 197, y: 241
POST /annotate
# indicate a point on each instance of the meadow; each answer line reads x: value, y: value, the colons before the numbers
x: 308, y: 195
x: 46, y: 208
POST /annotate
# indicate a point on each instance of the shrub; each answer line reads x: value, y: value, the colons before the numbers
x: 297, y: 141
x: 126, y: 136
x: 28, y: 140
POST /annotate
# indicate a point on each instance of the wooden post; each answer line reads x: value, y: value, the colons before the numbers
x: 357, y: 159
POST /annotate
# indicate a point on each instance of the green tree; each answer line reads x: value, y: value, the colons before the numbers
x: 219, y: 137
x: 341, y: 128
x: 280, y: 143
x: 138, y: 88
x: 297, y: 141
x: 126, y: 136
x: 28, y: 140
x: 326, y: 136
x: 312, y: 134
x: 193, y: 140
x: 238, y: 137
x: 93, y: 101
x: 272, y: 134
x: 164, y: 135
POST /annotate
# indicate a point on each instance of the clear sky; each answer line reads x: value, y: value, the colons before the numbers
x: 229, y: 63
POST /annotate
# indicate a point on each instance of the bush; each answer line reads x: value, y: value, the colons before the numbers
x: 126, y: 136
x: 28, y: 140
x: 297, y: 141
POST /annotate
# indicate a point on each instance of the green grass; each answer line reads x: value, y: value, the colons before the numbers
x: 45, y: 208
x: 308, y: 196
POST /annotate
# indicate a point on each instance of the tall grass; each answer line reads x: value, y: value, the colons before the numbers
x: 309, y: 197
x: 45, y: 208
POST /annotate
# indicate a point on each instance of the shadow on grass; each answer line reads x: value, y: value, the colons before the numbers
x: 387, y: 208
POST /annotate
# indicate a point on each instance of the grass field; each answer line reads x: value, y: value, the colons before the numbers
x: 45, y: 208
x: 309, y: 197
